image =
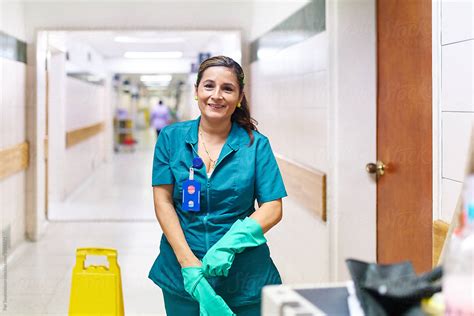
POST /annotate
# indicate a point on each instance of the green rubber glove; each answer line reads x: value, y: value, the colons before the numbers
x: 244, y: 233
x: 210, y: 304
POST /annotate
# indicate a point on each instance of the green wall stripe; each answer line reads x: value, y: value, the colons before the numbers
x: 304, y: 23
x: 12, y: 48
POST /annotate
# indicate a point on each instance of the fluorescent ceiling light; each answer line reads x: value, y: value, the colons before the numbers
x: 154, y: 84
x: 155, y: 78
x: 148, y: 40
x: 150, y: 55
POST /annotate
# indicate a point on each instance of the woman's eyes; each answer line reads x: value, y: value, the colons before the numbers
x: 210, y: 86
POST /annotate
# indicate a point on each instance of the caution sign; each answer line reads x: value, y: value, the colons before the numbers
x: 96, y: 289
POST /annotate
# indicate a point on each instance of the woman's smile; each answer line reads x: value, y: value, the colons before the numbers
x: 216, y: 106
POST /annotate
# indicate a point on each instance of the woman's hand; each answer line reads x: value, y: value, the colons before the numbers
x: 200, y: 290
x: 243, y: 234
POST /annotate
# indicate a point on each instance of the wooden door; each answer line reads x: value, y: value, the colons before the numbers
x: 404, y: 132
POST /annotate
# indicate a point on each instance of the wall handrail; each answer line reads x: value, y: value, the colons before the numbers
x: 76, y: 136
x: 14, y: 159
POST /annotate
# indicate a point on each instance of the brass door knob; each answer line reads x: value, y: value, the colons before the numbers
x: 378, y: 168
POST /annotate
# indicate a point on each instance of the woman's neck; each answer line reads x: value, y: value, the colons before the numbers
x: 215, y: 132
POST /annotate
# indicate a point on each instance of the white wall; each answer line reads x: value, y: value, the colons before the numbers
x: 456, y: 106
x: 12, y: 19
x: 12, y: 124
x: 317, y: 105
x: 74, y: 104
x: 85, y: 104
x: 352, y: 117
x: 57, y: 127
x: 266, y: 14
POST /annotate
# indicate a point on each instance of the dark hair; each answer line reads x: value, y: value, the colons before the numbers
x: 241, y: 114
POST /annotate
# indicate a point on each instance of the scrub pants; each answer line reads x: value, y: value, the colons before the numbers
x: 178, y: 306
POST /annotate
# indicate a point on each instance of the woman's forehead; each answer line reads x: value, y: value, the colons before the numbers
x: 219, y: 72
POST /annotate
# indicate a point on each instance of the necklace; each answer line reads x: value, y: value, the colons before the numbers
x: 213, y: 162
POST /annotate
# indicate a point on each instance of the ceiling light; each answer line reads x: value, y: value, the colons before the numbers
x: 155, y: 84
x: 152, y: 55
x: 148, y: 40
x: 156, y: 78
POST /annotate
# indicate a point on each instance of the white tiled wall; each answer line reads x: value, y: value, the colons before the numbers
x: 12, y: 124
x: 289, y: 100
x: 457, y: 20
x: 316, y: 101
x: 457, y: 93
x: 457, y: 98
x: 456, y: 128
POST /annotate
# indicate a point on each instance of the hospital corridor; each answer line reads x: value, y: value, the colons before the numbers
x: 244, y: 157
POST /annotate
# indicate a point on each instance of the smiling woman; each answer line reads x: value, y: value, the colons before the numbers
x: 213, y: 253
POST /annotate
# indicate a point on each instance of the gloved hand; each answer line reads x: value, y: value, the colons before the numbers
x: 210, y: 304
x: 243, y: 233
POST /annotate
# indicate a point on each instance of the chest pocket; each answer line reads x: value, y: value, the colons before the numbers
x: 222, y: 186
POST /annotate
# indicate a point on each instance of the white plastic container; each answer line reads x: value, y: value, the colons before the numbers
x: 458, y: 279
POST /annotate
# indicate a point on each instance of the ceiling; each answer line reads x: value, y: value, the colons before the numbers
x: 188, y: 42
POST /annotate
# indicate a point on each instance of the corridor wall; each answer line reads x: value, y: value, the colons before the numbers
x: 74, y: 104
x: 13, y: 83
x: 290, y: 102
x: 456, y: 102
x: 315, y: 98
x: 85, y: 106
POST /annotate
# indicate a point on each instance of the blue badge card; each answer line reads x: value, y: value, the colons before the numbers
x: 191, y: 196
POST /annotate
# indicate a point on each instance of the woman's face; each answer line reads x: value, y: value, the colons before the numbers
x: 218, y: 93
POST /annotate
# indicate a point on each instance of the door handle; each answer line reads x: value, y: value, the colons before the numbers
x: 378, y: 168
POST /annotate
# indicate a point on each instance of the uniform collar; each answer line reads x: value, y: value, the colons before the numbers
x: 233, y: 139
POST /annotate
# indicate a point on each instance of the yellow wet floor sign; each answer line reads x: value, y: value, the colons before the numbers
x: 96, y: 290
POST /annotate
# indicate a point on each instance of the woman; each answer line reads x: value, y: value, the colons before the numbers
x: 215, y: 242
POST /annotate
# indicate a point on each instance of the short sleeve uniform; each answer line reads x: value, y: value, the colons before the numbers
x: 242, y: 175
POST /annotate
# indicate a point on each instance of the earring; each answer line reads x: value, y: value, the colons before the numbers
x: 195, y: 97
x: 239, y: 105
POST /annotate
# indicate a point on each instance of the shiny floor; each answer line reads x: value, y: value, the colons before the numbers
x: 114, y: 209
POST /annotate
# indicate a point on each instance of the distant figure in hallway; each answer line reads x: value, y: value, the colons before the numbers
x: 160, y: 117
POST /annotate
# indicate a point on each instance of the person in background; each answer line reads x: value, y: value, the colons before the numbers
x: 160, y: 117
x: 207, y: 174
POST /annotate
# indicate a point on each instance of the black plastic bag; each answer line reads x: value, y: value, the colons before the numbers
x: 393, y: 289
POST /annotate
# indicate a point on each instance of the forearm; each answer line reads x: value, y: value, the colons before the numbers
x: 169, y: 222
x: 268, y: 214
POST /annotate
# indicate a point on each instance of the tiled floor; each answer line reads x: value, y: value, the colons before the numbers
x: 39, y: 274
x: 113, y: 209
x: 118, y: 191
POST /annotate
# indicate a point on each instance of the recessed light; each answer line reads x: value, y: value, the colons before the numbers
x: 148, y: 40
x: 156, y: 78
x: 153, y: 55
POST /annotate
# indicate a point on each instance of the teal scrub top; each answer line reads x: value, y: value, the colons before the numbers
x: 242, y: 175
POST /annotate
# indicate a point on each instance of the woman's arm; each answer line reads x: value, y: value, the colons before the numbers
x: 268, y: 214
x: 169, y: 222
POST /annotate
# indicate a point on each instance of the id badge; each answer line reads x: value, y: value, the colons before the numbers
x: 191, y: 196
